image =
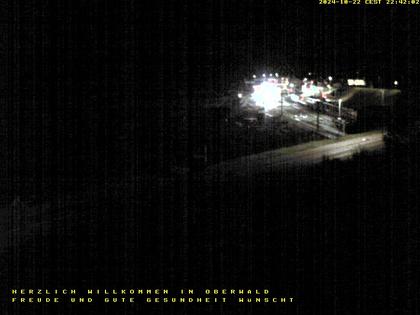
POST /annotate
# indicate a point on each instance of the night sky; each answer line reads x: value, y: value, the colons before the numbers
x: 212, y: 41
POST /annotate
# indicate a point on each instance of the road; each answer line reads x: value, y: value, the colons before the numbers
x: 303, y: 154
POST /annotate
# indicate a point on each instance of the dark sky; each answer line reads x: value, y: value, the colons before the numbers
x: 208, y: 41
x: 229, y: 38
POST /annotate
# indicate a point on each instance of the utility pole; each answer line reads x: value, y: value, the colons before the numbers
x: 281, y: 101
x: 339, y: 107
x: 281, y: 104
x: 317, y: 115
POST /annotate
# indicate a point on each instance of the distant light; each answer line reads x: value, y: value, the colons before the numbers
x: 356, y: 82
x: 309, y: 73
x: 277, y: 75
x: 254, y: 76
x: 395, y: 83
x: 292, y: 85
x: 263, y: 75
x: 240, y: 95
x: 271, y: 74
x: 330, y: 78
x: 305, y: 79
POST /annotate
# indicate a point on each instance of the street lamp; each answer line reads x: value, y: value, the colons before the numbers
x: 330, y: 78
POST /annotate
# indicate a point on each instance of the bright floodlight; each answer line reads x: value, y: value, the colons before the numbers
x: 395, y: 83
x: 240, y: 95
x: 267, y: 95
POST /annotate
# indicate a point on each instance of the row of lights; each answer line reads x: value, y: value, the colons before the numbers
x: 264, y: 75
x: 330, y: 78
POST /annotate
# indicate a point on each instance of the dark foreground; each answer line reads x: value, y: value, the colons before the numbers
x: 339, y: 236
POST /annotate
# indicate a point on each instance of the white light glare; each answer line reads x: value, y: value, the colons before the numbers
x: 267, y: 95
x: 254, y: 76
x: 395, y: 83
x: 277, y: 75
x: 239, y: 95
x: 263, y: 75
x: 330, y: 78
